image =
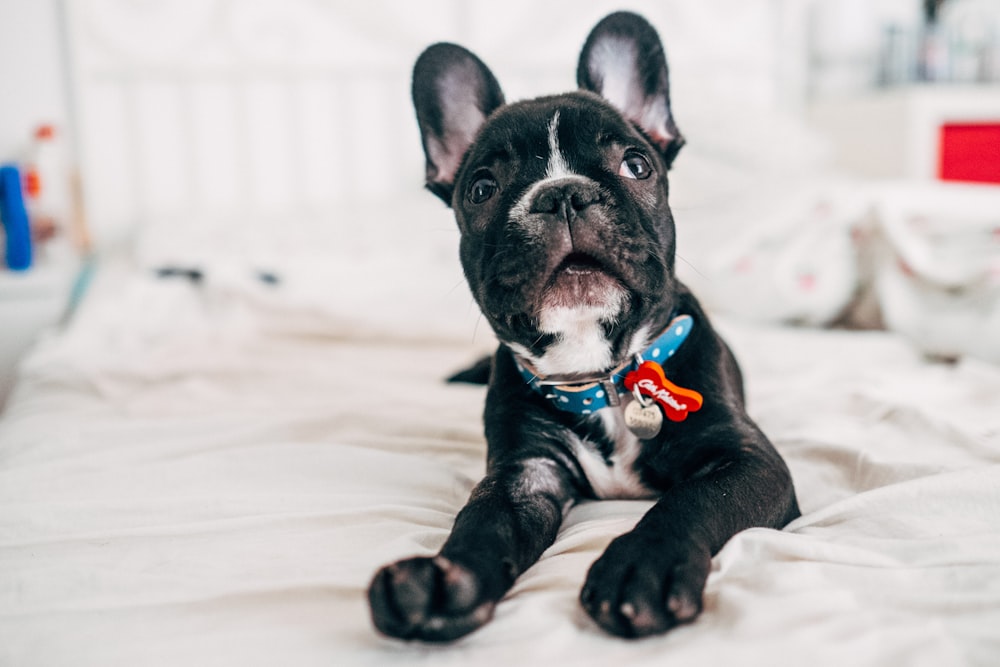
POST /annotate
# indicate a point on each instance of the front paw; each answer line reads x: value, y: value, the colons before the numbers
x: 431, y: 599
x: 638, y: 589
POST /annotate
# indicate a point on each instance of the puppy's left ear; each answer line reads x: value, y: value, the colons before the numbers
x: 623, y: 61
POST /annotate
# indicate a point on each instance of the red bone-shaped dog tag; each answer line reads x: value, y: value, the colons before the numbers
x: 676, y: 401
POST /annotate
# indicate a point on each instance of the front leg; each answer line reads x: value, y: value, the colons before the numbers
x: 512, y: 517
x: 652, y: 578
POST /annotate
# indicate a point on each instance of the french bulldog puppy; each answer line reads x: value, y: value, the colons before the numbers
x: 609, y: 381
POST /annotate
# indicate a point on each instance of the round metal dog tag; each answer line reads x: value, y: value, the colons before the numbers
x: 643, y: 420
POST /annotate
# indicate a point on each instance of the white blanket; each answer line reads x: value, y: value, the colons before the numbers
x: 210, y: 476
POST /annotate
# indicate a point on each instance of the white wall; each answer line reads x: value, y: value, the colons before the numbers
x: 32, y: 78
x: 216, y: 109
x: 846, y: 39
x: 32, y: 87
x: 726, y: 54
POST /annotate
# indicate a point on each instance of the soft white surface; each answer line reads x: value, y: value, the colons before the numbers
x: 919, y: 258
x: 211, y: 476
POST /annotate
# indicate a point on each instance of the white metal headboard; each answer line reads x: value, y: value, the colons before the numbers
x: 249, y: 108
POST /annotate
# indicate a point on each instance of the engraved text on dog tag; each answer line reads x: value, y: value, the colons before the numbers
x: 643, y: 420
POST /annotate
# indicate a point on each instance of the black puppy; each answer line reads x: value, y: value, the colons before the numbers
x: 609, y: 381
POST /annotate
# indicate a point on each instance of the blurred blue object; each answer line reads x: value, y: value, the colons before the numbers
x: 15, y: 219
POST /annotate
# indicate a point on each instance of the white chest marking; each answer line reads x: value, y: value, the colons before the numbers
x: 581, y: 345
x: 619, y: 479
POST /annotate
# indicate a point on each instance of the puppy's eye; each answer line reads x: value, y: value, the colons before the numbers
x: 482, y: 189
x: 635, y: 166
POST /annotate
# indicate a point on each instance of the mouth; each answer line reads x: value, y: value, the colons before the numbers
x: 578, y: 264
x: 581, y: 280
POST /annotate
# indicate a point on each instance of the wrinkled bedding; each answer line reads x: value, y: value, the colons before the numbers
x: 209, y: 474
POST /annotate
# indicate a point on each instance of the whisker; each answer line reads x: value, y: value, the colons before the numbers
x: 693, y: 267
x: 475, y: 327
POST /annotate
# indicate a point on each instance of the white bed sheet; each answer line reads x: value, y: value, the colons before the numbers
x: 210, y: 476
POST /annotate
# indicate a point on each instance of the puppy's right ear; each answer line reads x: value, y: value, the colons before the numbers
x: 453, y: 93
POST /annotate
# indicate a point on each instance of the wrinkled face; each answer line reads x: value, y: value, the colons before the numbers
x: 566, y: 231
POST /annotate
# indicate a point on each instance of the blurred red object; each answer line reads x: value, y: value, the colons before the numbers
x: 970, y: 152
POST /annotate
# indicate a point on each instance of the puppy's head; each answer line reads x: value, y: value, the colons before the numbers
x: 567, y: 238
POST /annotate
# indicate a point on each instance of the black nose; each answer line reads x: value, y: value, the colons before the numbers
x: 566, y: 199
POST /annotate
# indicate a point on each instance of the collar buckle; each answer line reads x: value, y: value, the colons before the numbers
x: 611, y: 391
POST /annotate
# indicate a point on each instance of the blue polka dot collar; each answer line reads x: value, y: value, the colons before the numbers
x: 591, y: 394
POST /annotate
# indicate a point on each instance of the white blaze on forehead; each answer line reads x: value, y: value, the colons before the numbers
x: 557, y: 167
